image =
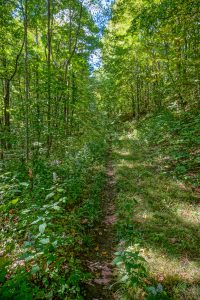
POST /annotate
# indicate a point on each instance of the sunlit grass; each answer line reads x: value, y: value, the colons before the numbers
x: 159, y: 214
x: 167, y: 267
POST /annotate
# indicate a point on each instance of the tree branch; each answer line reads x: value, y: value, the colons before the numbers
x: 67, y: 62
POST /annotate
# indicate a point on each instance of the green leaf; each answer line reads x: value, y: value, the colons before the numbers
x: 56, y: 207
x: 36, y: 221
x: 49, y: 196
x: 63, y: 199
x: 14, y: 201
x: 44, y: 241
x: 35, y: 269
x: 42, y: 228
x: 27, y: 244
x: 25, y: 184
x: 124, y: 278
x: 59, y: 190
x: 118, y: 261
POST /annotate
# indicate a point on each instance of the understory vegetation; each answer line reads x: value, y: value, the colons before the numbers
x: 45, y: 219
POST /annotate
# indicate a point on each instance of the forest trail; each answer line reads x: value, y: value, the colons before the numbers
x: 99, y: 260
x: 155, y: 215
x: 99, y: 150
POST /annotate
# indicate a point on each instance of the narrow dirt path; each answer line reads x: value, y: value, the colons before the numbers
x: 100, y: 261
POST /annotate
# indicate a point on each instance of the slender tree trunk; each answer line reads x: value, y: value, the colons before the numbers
x: 73, y: 101
x: 72, y: 51
x: 49, y: 135
x: 37, y: 93
x: 2, y: 138
x: 26, y: 77
x: 67, y: 79
x: 132, y: 100
x: 137, y: 99
x: 7, y: 145
x: 197, y: 69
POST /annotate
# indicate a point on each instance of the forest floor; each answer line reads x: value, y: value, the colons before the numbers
x: 150, y: 222
x: 159, y: 217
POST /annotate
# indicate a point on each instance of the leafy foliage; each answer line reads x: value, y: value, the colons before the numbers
x: 178, y: 140
x: 43, y: 234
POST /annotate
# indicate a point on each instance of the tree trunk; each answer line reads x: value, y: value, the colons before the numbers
x: 49, y: 136
x: 7, y: 145
x: 37, y: 94
x: 26, y: 77
x: 137, y: 99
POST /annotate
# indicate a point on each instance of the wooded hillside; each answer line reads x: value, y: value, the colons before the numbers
x: 99, y: 149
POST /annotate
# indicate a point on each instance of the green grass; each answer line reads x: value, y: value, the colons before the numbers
x: 158, y: 211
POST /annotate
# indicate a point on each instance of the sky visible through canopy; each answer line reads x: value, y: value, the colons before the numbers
x: 100, y: 10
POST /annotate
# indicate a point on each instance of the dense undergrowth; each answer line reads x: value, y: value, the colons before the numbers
x: 175, y: 138
x: 47, y: 208
x: 157, y: 180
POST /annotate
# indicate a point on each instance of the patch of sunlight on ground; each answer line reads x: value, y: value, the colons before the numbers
x: 162, y: 266
x: 189, y: 213
x: 172, y: 199
x: 165, y: 266
x: 142, y: 216
x: 128, y: 164
x: 131, y: 165
x: 122, y: 152
x: 133, y: 135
